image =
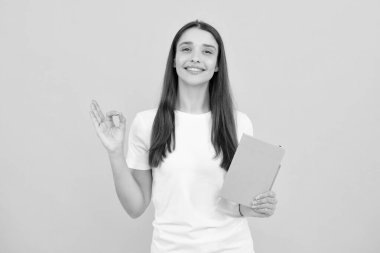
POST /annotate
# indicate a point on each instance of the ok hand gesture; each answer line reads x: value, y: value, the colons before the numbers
x: 111, y: 136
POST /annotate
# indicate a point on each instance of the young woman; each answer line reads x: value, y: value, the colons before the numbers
x: 179, y: 152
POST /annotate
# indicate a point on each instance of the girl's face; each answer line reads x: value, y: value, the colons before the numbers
x: 196, y: 57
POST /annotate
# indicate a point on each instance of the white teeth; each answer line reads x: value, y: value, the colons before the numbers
x: 194, y: 69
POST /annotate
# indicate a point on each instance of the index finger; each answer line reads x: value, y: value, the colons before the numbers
x: 98, y: 110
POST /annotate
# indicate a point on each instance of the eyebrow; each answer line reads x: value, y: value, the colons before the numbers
x: 191, y: 43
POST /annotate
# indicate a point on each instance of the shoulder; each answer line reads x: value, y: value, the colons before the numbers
x: 146, y: 117
x: 148, y: 112
x: 242, y: 118
x: 243, y: 123
x: 141, y: 126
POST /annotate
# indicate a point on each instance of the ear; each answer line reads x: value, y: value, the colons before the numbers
x: 216, y: 69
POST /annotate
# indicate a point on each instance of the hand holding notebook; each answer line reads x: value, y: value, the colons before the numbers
x: 252, y: 171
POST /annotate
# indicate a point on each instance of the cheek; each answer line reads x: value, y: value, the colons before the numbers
x: 180, y: 71
x: 211, y: 63
x: 179, y: 61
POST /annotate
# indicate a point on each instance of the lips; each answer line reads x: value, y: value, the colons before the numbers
x: 194, y: 69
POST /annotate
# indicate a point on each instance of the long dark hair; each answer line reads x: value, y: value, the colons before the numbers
x: 223, y: 134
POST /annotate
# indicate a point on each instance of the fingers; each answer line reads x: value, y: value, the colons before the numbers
x: 264, y: 206
x: 264, y: 201
x: 94, y: 120
x: 97, y: 112
x: 122, y: 119
x: 265, y: 212
x: 112, y: 113
x: 109, y: 116
x: 271, y: 194
x: 98, y: 117
x: 261, y: 212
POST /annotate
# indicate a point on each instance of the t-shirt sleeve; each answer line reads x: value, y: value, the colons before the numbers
x: 138, y: 150
x: 247, y: 125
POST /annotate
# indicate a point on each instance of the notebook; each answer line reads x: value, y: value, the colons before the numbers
x: 252, y: 171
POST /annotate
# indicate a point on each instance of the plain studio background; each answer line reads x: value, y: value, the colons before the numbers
x: 306, y: 73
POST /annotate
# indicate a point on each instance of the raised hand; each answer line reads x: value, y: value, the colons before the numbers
x: 111, y: 136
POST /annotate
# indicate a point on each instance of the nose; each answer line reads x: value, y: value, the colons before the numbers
x: 195, y: 56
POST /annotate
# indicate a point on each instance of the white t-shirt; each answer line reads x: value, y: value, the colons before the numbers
x: 189, y: 214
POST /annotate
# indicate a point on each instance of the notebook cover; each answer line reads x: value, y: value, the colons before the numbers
x: 252, y: 171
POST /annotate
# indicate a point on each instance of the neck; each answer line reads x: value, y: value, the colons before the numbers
x: 193, y: 98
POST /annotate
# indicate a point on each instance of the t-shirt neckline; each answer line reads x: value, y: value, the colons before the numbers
x: 192, y: 114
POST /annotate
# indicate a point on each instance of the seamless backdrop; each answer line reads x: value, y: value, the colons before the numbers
x: 305, y: 72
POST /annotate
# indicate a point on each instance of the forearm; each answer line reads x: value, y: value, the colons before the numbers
x: 127, y: 189
x: 229, y: 207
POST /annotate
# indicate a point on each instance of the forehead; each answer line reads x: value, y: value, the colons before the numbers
x: 198, y: 36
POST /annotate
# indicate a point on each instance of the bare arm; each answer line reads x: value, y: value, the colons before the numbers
x: 127, y: 188
x: 229, y: 207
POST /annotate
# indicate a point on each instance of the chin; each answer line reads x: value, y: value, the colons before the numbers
x: 193, y: 82
x: 194, y: 79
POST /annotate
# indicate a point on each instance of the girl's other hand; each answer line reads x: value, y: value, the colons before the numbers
x: 111, y: 136
x: 263, y: 205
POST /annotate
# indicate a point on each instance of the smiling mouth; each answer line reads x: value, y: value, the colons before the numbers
x: 194, y: 70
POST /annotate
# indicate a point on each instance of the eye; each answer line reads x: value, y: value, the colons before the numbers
x: 185, y: 49
x: 208, y: 52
